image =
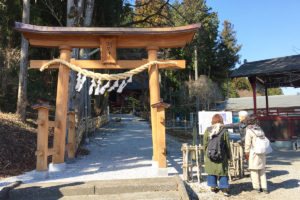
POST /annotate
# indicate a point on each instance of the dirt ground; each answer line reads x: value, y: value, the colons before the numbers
x: 283, y: 174
x: 17, y: 145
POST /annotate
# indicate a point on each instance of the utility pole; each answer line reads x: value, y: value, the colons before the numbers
x: 196, y: 78
x: 196, y: 63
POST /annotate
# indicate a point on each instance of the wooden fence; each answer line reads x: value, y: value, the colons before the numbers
x: 74, y: 137
x: 193, y: 156
x: 236, y: 164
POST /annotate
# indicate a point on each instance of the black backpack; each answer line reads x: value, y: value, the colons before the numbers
x: 216, y: 147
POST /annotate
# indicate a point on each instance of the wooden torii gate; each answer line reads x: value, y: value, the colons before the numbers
x: 108, y: 40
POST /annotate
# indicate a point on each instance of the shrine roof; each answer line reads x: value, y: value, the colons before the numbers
x: 269, y: 66
x: 275, y: 72
x: 246, y: 103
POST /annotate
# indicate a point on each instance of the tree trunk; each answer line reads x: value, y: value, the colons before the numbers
x: 75, y: 13
x: 70, y: 13
x: 89, y: 7
x: 227, y: 95
x: 75, y: 100
x: 196, y: 63
x: 22, y: 89
x: 71, y: 21
x: 197, y: 103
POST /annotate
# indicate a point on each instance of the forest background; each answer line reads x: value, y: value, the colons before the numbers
x: 205, y: 82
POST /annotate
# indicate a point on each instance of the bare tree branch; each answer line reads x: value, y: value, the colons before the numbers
x: 51, y: 9
x: 139, y: 4
x: 145, y: 20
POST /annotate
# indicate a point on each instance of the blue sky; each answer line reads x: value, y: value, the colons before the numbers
x: 265, y: 28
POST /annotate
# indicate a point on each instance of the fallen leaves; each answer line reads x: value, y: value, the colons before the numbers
x: 17, y: 146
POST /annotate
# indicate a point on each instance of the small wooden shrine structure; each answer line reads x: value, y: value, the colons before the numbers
x: 282, y: 124
x: 108, y: 40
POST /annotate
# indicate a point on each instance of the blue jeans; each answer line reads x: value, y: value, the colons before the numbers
x: 212, y: 181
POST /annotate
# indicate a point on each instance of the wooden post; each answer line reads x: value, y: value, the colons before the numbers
x: 200, y: 161
x: 184, y: 149
x: 59, y: 143
x: 198, y: 164
x: 237, y: 160
x: 161, y: 134
x: 253, y: 85
x: 42, y: 137
x: 161, y: 138
x: 154, y: 96
x: 242, y: 161
x: 71, y: 135
x: 267, y: 100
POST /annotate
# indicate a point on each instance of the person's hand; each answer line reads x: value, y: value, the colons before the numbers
x: 247, y: 156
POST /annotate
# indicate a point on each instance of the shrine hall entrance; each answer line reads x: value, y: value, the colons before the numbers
x: 108, y: 40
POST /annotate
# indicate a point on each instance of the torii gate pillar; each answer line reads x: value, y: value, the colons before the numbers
x: 61, y: 107
x: 154, y: 90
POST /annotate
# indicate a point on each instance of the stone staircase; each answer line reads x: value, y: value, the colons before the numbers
x: 167, y: 188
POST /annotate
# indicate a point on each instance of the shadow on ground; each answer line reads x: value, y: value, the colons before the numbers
x: 237, y: 188
x: 275, y: 173
x: 287, y: 184
x: 192, y: 194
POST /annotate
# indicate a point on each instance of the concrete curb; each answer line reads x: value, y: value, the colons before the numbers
x: 181, y: 188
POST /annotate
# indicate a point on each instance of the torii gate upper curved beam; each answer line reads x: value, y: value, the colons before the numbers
x: 76, y: 37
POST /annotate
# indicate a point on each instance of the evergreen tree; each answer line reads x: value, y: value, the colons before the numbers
x: 227, y: 52
x: 205, y: 40
x: 275, y: 91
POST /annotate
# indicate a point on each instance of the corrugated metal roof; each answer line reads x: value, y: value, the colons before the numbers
x: 246, y: 103
x: 269, y: 66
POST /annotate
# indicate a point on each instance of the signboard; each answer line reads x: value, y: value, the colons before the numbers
x: 204, y: 119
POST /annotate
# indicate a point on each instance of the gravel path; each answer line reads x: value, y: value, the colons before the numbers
x: 283, y: 176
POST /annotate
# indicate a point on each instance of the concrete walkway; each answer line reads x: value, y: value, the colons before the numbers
x: 121, y: 150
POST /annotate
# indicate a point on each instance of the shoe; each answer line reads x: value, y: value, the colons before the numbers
x: 214, y: 189
x: 265, y: 191
x: 226, y: 192
x: 257, y: 190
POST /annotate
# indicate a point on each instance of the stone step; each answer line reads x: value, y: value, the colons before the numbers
x: 134, y: 185
x: 98, y: 188
x: 159, y: 195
